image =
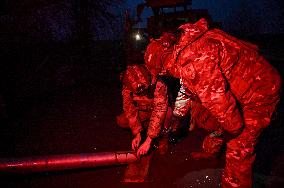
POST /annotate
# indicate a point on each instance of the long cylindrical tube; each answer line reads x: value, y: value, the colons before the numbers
x: 64, y: 162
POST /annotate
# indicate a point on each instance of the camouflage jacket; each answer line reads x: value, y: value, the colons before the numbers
x: 226, y: 75
x: 142, y: 108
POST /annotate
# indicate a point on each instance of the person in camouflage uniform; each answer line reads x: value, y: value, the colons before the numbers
x: 234, y: 83
x: 159, y: 51
x: 162, y: 49
x: 145, y: 107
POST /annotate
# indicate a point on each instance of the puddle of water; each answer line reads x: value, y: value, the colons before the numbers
x: 200, y: 179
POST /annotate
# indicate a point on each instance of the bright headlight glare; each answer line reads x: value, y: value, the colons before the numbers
x: 138, y: 36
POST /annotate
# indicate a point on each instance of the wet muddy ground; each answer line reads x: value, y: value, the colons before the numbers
x: 81, y: 119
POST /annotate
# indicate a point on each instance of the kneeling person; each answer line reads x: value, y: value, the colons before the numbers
x: 145, y: 107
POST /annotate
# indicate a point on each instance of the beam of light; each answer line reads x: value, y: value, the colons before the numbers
x: 138, y: 36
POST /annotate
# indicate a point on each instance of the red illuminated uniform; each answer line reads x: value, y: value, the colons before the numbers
x: 237, y: 85
x: 142, y: 109
x: 146, y: 110
x: 202, y: 118
x: 157, y: 52
x: 160, y: 51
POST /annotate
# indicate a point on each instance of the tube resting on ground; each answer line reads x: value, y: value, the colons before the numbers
x: 66, y: 162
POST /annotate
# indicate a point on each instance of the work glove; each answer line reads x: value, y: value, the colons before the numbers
x: 136, y: 141
x: 145, y: 147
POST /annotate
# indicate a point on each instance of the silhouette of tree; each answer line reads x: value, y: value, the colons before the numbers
x: 92, y: 12
x: 44, y: 19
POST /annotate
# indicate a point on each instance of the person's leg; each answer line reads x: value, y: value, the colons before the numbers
x: 258, y: 105
x: 213, y: 142
x: 211, y: 146
x: 240, y: 154
x: 239, y: 159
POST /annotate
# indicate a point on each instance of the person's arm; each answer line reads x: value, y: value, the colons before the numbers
x: 132, y: 115
x: 160, y: 106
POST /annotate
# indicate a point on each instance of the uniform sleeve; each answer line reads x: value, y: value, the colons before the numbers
x: 131, y: 112
x: 211, y: 87
x: 160, y: 106
x: 182, y: 103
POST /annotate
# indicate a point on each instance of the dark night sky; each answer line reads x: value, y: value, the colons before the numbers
x: 255, y: 17
x: 56, y: 22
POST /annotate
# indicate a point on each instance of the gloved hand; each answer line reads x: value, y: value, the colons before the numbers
x: 136, y: 141
x: 145, y: 147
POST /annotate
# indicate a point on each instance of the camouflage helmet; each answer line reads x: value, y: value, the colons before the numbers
x: 136, y: 78
x: 157, y: 51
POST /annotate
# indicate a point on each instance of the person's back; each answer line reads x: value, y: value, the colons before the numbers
x: 245, y: 69
x: 215, y: 66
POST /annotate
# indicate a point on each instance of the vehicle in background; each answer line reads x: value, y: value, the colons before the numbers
x: 167, y: 16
